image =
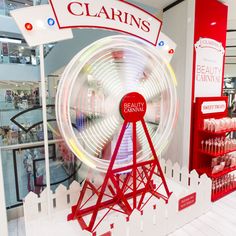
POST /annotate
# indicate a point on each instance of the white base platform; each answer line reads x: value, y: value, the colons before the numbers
x: 220, y: 221
x: 165, y: 219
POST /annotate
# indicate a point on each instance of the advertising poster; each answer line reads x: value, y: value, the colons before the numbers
x: 209, y: 68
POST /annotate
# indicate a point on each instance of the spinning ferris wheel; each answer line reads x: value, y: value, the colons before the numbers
x: 90, y: 92
x: 116, y: 109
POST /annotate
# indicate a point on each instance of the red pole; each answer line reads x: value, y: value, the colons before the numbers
x: 108, y: 175
x: 134, y: 166
x: 155, y: 158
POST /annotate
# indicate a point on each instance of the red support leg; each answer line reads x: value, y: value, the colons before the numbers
x: 107, y: 177
x: 134, y: 166
x: 155, y: 158
x: 124, y: 190
x: 147, y: 187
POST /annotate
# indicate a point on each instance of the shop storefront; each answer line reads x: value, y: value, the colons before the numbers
x: 119, y: 114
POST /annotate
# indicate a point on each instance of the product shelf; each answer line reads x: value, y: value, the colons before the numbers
x: 208, y: 172
x: 202, y: 157
x: 222, y: 132
x: 223, y: 192
x: 214, y: 155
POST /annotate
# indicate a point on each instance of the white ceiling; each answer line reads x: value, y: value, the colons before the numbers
x: 231, y: 13
x: 231, y: 36
x: 232, y: 8
x: 231, y: 39
x: 159, y: 4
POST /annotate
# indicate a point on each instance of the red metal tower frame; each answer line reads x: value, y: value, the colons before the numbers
x: 127, y: 186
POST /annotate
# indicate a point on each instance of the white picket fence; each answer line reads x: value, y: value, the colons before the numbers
x: 160, y: 221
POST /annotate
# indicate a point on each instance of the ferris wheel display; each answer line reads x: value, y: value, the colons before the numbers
x: 90, y: 93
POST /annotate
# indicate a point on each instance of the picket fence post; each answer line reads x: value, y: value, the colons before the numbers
x: 176, y: 172
x: 161, y: 218
x: 194, y: 179
x: 74, y: 192
x: 169, y: 169
x: 171, y: 213
x: 60, y: 197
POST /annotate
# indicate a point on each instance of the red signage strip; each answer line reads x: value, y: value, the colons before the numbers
x: 187, y: 201
x: 106, y: 234
x: 210, y: 107
x: 107, y: 14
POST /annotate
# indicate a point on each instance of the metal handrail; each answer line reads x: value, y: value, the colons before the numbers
x: 25, y: 145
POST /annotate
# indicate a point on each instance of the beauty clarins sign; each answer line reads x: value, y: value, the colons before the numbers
x: 209, y: 68
x: 107, y: 14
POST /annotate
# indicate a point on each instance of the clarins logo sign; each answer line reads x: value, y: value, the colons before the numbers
x: 107, y: 14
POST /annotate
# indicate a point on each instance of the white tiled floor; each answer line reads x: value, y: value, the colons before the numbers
x: 220, y: 221
x: 16, y: 227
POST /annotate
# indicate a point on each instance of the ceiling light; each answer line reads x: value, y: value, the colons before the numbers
x: 9, y: 40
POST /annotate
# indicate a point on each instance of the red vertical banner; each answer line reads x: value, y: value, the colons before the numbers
x: 209, y: 54
x: 209, y: 37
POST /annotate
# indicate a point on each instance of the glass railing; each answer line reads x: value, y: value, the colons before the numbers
x: 12, y: 53
x: 2, y: 7
x: 21, y: 113
x: 24, y: 169
x: 26, y: 125
x: 17, y: 52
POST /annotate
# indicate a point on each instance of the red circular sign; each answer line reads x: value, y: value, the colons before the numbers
x: 133, y: 107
